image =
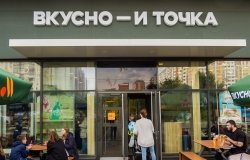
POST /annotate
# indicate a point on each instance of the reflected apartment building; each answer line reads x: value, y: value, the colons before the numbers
x: 27, y: 71
x: 227, y: 72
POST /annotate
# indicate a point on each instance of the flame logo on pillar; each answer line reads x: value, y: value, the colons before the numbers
x: 7, y: 90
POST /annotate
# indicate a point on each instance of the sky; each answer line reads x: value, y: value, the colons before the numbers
x: 110, y: 77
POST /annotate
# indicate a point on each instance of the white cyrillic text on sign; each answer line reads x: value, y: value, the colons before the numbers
x: 105, y: 18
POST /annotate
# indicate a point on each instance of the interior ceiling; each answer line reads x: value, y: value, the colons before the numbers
x: 41, y: 48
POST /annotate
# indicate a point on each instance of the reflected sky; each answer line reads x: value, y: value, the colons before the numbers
x: 89, y: 73
x: 110, y: 78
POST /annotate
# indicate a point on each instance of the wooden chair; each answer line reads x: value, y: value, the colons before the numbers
x: 190, y: 156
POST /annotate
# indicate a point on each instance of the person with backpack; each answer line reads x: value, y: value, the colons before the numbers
x: 144, y: 130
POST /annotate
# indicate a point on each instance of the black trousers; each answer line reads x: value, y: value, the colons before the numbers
x: 219, y: 157
x: 113, y: 133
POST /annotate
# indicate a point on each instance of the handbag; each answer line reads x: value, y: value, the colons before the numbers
x: 131, y: 141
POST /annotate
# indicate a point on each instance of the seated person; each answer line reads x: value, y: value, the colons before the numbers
x: 2, y: 154
x: 236, y: 138
x: 55, y: 148
x: 19, y: 151
x: 70, y: 143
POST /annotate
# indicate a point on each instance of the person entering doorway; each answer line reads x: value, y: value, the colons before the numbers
x: 144, y: 130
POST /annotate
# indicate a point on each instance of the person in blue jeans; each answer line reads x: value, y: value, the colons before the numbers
x: 144, y: 130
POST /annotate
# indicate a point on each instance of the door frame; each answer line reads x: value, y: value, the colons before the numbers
x: 99, y: 123
x: 155, y: 113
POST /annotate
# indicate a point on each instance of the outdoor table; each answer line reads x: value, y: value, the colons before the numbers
x: 209, y: 144
x: 37, y: 149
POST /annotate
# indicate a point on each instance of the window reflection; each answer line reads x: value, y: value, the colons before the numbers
x: 228, y: 72
x: 69, y: 76
x: 28, y: 71
x: 176, y: 120
x: 16, y: 119
x: 180, y: 75
x: 72, y: 110
x: 19, y: 118
x: 126, y: 79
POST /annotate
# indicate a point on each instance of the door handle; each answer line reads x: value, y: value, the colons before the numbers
x: 157, y: 134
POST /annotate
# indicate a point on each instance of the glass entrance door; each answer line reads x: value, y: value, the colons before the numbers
x: 111, y: 125
x: 151, y: 102
x: 114, y: 110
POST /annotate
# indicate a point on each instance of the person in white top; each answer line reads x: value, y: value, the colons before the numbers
x: 144, y: 130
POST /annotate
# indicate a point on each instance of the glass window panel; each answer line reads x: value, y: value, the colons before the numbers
x: 223, y: 109
x: 69, y: 76
x: 126, y: 78
x: 175, y: 120
x: 28, y: 71
x: 16, y: 119
x: 181, y: 75
x: 204, y: 115
x: 184, y: 119
x: 73, y: 110
x: 228, y: 72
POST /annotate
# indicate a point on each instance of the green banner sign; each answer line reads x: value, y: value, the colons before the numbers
x: 240, y: 91
x: 12, y: 88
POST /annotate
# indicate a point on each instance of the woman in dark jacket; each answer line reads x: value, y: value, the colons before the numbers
x: 55, y: 148
x: 70, y: 143
x: 19, y: 151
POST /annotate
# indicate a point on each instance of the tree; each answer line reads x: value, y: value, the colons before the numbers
x: 211, y: 83
x: 173, y: 84
x: 152, y: 84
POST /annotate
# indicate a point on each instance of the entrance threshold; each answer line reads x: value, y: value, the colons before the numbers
x: 114, y: 158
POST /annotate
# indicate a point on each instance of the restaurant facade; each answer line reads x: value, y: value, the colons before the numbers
x: 94, y: 63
